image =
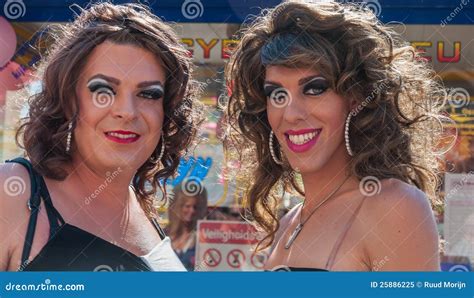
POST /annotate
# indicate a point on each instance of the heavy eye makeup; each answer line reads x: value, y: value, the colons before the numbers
x: 316, y: 86
x: 313, y: 86
x: 152, y: 92
x: 268, y: 89
x: 100, y: 86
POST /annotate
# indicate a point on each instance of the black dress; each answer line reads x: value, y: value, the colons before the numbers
x: 70, y: 248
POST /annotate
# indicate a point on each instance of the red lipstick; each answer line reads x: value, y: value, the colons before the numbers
x: 122, y: 136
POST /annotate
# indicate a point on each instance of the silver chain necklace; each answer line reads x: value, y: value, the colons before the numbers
x: 300, y: 225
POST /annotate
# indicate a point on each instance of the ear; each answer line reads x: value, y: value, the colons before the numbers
x: 353, y: 103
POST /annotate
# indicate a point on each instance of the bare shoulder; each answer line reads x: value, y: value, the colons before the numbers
x: 401, y: 227
x: 14, y: 194
x: 396, y: 196
x: 15, y: 185
x: 15, y: 189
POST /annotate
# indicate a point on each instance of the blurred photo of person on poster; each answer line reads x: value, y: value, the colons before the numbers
x: 185, y: 209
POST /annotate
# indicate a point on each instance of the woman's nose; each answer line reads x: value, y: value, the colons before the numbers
x: 295, y: 110
x: 124, y: 107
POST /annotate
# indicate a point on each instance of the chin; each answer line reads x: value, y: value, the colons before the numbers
x: 305, y: 169
x: 119, y: 161
x: 309, y: 165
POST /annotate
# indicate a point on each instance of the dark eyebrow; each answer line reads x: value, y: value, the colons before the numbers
x: 307, y: 79
x: 300, y: 81
x: 149, y: 83
x: 107, y: 78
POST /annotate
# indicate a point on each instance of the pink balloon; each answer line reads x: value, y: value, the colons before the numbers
x: 3, y: 96
x: 13, y: 76
x: 7, y: 41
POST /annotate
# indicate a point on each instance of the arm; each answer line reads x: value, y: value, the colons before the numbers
x: 403, y: 236
x: 14, y: 193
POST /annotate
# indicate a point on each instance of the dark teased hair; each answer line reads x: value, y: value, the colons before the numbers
x: 43, y: 134
x: 393, y: 133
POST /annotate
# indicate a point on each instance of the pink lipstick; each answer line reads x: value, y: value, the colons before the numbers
x: 302, y: 140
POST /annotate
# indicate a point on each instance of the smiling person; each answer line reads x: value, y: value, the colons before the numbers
x: 325, y: 95
x: 116, y: 113
x: 184, y: 211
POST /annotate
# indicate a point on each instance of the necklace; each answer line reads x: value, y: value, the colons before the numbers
x: 300, y: 225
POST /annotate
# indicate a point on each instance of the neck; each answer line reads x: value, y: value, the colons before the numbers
x: 318, y: 185
x: 187, y: 227
x: 100, y: 189
x: 182, y: 228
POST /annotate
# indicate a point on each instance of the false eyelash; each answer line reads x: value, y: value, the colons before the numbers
x: 268, y: 90
x: 319, y: 83
x: 153, y: 93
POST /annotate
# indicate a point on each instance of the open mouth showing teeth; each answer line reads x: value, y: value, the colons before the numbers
x: 301, y: 139
x: 121, y: 135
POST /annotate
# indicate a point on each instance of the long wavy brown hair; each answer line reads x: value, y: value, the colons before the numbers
x: 176, y: 225
x: 393, y: 133
x: 43, y: 133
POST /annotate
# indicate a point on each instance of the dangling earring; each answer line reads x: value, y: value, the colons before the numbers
x: 346, y: 135
x: 162, y: 152
x: 272, y: 152
x: 69, y: 136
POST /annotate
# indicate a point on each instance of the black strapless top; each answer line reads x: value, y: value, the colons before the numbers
x: 288, y: 269
x: 70, y: 248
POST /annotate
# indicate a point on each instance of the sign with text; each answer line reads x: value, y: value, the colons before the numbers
x: 459, y: 214
x: 228, y: 246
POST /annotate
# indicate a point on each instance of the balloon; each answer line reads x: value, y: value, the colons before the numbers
x: 3, y: 96
x: 7, y: 41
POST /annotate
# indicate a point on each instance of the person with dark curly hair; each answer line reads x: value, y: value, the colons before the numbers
x: 328, y: 102
x: 117, y: 110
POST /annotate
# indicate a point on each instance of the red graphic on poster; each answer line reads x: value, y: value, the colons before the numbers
x: 258, y: 259
x: 235, y: 258
x: 212, y: 257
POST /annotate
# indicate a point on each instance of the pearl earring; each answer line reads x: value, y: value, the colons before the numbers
x: 162, y: 152
x: 69, y: 136
x: 346, y: 135
x: 272, y: 152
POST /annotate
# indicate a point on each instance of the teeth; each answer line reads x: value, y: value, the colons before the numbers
x: 122, y: 136
x: 302, y: 138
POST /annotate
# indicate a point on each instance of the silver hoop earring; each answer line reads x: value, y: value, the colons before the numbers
x: 69, y: 136
x: 346, y: 135
x: 272, y: 152
x: 162, y: 152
